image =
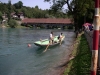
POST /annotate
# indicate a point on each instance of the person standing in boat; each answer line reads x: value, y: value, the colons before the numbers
x: 51, y: 37
x: 60, y: 37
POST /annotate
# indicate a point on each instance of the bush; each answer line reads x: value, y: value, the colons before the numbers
x: 12, y: 23
x: 70, y: 27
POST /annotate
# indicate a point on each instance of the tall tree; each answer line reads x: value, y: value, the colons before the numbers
x: 77, y: 8
x: 36, y: 7
x: 18, y: 5
x: 1, y: 16
x: 9, y: 10
x: 29, y: 12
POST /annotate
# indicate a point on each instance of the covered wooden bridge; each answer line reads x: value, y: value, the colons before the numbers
x: 49, y: 23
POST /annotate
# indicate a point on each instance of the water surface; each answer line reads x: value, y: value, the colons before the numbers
x: 16, y: 58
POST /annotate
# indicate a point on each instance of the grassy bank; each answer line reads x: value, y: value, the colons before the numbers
x: 81, y: 62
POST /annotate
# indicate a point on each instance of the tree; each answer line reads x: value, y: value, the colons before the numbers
x: 29, y: 12
x: 18, y: 5
x: 12, y: 23
x: 36, y: 7
x: 78, y: 9
x: 4, y: 9
x: 1, y: 16
x: 9, y: 10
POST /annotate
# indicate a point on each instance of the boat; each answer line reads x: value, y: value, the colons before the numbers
x: 45, y: 42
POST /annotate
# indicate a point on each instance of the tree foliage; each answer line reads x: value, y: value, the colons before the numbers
x: 9, y: 10
x: 1, y: 16
x: 78, y: 9
x: 12, y: 23
x: 30, y: 12
x: 18, y: 5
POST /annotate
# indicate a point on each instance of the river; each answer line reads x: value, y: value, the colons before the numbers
x: 16, y: 58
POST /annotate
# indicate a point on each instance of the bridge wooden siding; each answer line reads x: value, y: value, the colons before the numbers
x: 47, y: 22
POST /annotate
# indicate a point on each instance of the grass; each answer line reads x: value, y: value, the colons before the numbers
x: 81, y: 63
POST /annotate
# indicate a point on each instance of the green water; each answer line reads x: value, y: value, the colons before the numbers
x: 16, y: 58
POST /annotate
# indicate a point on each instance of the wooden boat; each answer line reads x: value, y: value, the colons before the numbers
x: 45, y: 42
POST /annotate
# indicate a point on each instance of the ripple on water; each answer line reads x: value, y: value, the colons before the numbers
x: 18, y: 59
x: 5, y: 53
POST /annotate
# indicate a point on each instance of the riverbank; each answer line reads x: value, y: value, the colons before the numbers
x: 6, y: 26
x: 80, y: 60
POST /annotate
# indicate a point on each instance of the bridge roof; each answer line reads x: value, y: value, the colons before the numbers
x: 46, y: 20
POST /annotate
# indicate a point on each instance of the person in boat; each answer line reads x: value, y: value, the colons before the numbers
x: 60, y: 37
x: 51, y: 38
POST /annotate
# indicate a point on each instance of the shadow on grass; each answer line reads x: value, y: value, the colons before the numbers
x: 81, y: 64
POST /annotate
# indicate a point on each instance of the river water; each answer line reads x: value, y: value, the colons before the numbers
x: 16, y: 58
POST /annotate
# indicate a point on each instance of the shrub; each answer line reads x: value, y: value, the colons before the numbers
x: 70, y: 27
x: 12, y: 23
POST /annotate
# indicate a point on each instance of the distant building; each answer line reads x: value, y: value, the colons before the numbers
x: 20, y: 15
x: 13, y: 15
x: 5, y: 18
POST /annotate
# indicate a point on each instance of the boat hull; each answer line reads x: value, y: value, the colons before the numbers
x: 45, y: 42
x: 54, y: 44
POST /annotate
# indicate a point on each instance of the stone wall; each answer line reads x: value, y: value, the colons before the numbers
x: 89, y: 37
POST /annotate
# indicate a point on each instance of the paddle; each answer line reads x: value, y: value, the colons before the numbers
x: 46, y: 48
x: 61, y: 40
x: 48, y: 45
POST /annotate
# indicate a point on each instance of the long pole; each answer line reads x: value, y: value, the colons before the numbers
x: 95, y: 39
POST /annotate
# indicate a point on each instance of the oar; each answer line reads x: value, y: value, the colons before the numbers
x: 46, y: 48
x: 41, y: 40
x: 61, y: 40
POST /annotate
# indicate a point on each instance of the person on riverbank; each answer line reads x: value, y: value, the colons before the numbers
x: 51, y: 38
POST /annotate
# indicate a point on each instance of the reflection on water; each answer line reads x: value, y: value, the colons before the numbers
x: 39, y: 50
x: 18, y: 59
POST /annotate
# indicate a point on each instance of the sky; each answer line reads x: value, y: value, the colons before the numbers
x: 31, y: 3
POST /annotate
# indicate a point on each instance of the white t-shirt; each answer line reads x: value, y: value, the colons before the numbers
x: 51, y: 36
